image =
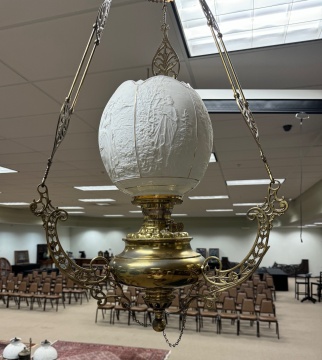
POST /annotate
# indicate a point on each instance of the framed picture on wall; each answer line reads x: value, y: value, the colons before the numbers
x: 21, y: 257
x: 202, y: 251
x: 214, y: 252
x: 213, y: 262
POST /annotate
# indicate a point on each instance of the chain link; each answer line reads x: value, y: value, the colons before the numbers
x: 173, y: 345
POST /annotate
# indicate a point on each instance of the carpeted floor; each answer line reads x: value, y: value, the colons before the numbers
x: 300, y: 331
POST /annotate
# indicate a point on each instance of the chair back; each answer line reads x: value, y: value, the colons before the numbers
x: 240, y: 297
x: 259, y: 298
x: 267, y: 307
x: 46, y: 288
x: 248, y: 306
x: 33, y: 288
x: 22, y: 286
x: 249, y: 292
x: 268, y: 293
x: 229, y: 304
x: 232, y: 292
x: 10, y: 286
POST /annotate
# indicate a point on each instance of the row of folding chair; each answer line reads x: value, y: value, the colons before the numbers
x: 264, y: 311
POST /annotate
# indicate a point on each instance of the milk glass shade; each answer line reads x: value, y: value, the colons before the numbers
x: 45, y: 352
x: 12, y: 350
x: 155, y: 137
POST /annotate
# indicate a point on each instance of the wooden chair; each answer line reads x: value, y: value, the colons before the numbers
x: 258, y: 301
x: 123, y: 304
x: 56, y: 294
x: 239, y: 300
x: 247, y: 313
x: 174, y: 309
x: 193, y: 311
x: 139, y: 307
x: 209, y: 312
x: 267, y: 315
x: 271, y: 286
x: 109, y: 305
x: 30, y: 294
x: 228, y: 312
x: 220, y: 301
x: 9, y: 292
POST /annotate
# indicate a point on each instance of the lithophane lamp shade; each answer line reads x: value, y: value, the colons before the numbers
x: 155, y: 137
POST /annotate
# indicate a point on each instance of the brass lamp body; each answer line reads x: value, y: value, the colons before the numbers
x: 158, y: 258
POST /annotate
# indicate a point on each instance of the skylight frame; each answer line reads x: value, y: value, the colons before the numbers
x: 273, y: 27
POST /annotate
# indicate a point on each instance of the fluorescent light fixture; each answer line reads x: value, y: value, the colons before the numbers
x: 318, y: 223
x: 14, y: 204
x: 241, y: 214
x: 219, y: 210
x: 179, y: 215
x: 213, y: 158
x: 248, y: 24
x: 96, y: 200
x: 4, y: 170
x: 246, y: 204
x: 135, y: 211
x: 76, y: 212
x: 251, y: 182
x: 72, y: 208
x: 113, y: 215
x: 102, y: 204
x: 210, y: 197
x: 96, y: 188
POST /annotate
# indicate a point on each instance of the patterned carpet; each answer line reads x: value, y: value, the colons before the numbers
x: 82, y: 351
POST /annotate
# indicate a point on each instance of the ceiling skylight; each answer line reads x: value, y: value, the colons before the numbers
x: 247, y: 24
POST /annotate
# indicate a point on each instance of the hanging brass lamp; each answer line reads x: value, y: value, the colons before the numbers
x: 155, y: 140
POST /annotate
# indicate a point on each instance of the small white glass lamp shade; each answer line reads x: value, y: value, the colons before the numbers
x: 45, y: 352
x: 155, y: 137
x: 12, y: 350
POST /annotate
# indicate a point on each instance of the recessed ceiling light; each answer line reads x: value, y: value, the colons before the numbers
x: 251, y: 182
x: 246, y: 204
x: 96, y: 188
x: 113, y: 215
x: 4, y: 170
x: 219, y: 210
x: 213, y: 158
x: 210, y: 197
x: 96, y: 200
x: 15, y: 204
x: 71, y: 207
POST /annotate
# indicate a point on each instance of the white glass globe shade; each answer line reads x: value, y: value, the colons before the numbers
x: 45, y: 352
x: 155, y: 137
x: 12, y: 350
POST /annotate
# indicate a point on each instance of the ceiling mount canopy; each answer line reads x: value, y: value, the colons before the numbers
x: 155, y: 140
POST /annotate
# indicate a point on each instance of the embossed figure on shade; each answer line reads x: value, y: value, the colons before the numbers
x: 163, y: 132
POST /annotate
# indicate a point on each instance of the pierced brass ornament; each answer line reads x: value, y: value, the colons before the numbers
x: 165, y: 61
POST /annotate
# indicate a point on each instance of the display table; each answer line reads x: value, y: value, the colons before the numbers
x: 280, y: 279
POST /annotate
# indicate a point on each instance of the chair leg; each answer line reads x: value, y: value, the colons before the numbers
x: 238, y: 326
x: 96, y: 315
x: 277, y: 330
x: 258, y: 333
